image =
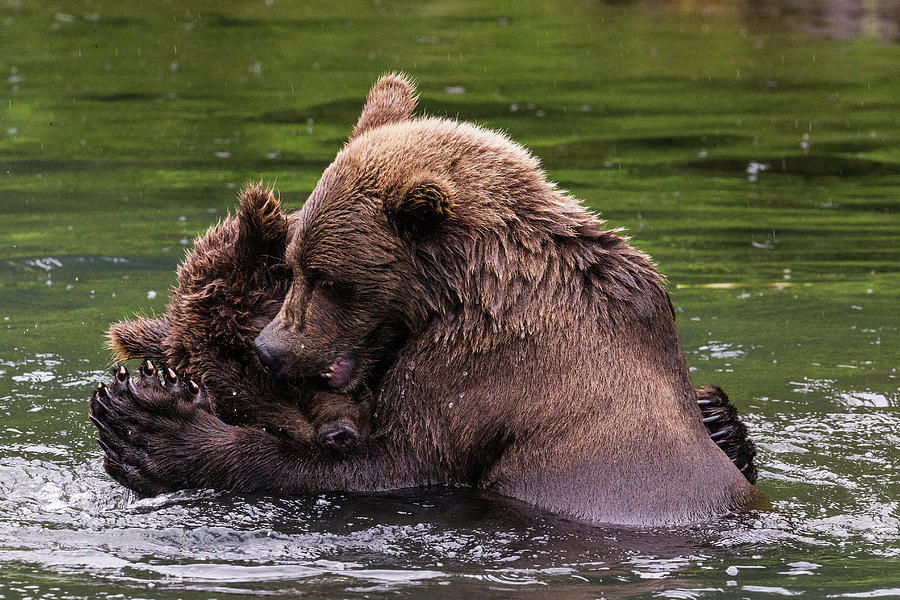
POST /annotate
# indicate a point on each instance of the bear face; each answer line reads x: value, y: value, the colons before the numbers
x: 355, y: 290
x: 339, y: 318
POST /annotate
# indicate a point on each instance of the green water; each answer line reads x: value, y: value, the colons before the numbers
x: 126, y: 130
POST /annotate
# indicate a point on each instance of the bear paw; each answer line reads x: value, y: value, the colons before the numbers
x: 149, y: 428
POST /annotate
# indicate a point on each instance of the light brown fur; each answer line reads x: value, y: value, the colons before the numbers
x: 542, y: 359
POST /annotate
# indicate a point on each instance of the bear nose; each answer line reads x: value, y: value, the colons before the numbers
x: 268, y: 355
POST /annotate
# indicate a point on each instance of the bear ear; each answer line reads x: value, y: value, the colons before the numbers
x: 420, y: 206
x: 262, y: 227
x: 391, y: 100
x: 139, y: 339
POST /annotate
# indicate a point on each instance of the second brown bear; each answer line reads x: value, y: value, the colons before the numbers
x: 230, y: 285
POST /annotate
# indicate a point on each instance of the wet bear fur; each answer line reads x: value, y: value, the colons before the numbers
x: 541, y: 359
x: 512, y: 343
x: 230, y: 285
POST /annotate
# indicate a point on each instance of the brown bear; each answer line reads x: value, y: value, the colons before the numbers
x: 511, y: 343
x: 230, y: 285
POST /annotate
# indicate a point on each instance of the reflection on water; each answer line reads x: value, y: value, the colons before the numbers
x: 837, y: 19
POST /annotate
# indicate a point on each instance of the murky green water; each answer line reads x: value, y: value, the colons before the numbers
x: 757, y: 159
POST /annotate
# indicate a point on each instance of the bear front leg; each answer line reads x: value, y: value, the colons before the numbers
x: 159, y: 437
x: 284, y: 421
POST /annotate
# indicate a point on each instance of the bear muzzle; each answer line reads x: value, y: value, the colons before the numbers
x: 285, y: 361
x: 269, y: 355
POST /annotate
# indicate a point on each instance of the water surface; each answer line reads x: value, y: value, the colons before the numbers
x: 752, y: 150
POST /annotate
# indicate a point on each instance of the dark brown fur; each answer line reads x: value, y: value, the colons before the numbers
x: 230, y: 285
x: 513, y: 343
x: 727, y: 430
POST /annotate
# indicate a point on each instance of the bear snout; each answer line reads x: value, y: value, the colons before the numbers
x: 281, y: 351
x: 269, y: 354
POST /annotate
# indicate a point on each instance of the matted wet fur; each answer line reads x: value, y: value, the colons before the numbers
x: 230, y: 285
x: 514, y: 343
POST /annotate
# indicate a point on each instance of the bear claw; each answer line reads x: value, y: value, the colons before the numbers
x: 97, y: 404
x: 122, y: 374
x: 102, y: 390
x: 104, y: 446
x: 103, y: 428
x: 170, y: 377
x: 199, y: 398
x: 147, y: 368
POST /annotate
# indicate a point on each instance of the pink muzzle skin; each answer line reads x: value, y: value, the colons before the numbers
x: 341, y: 370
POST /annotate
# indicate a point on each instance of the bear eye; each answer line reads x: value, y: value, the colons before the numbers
x: 335, y: 289
x: 320, y: 281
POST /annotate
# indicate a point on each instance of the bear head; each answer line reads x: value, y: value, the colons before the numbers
x: 417, y: 220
